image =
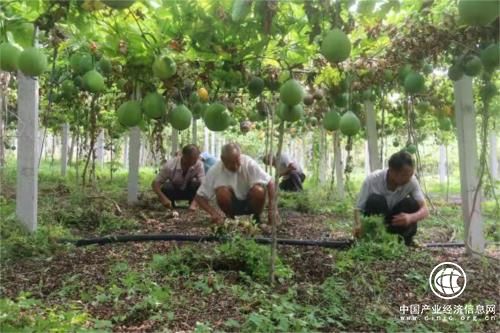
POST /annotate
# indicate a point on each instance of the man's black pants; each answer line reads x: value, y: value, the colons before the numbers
x: 293, y: 183
x: 377, y: 205
x: 174, y: 193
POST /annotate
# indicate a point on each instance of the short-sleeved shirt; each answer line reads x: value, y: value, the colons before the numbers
x: 376, y: 183
x: 172, y: 171
x: 249, y: 174
x: 208, y: 161
x: 285, y: 161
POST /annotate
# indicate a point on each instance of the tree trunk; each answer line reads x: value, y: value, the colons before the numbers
x: 493, y: 156
x: 339, y: 167
x: 372, y: 137
x: 4, y: 84
x: 2, y: 143
x: 53, y: 149
x: 275, y: 215
x: 40, y: 148
x: 133, y: 166
x: 111, y: 156
x: 323, y: 158
x: 383, y: 140
x: 64, y: 148
x: 77, y: 157
x: 125, y: 152
x: 100, y: 148
x: 194, y: 136
x: 266, y: 142
x: 91, y: 148
x: 27, y: 152
x: 175, y: 142
x: 467, y: 152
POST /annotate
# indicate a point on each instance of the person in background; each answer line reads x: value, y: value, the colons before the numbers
x: 292, y: 176
x: 395, y: 193
x: 208, y: 161
x: 180, y: 178
x: 239, y: 186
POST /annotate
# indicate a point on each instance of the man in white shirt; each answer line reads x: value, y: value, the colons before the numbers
x: 290, y: 172
x: 239, y: 185
x: 395, y: 193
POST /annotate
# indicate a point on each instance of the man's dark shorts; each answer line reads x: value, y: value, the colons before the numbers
x: 240, y: 207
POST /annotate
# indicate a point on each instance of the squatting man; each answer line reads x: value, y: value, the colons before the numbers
x: 395, y: 194
x: 239, y: 186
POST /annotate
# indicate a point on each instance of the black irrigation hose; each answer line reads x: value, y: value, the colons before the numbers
x: 198, y: 238
x: 336, y: 244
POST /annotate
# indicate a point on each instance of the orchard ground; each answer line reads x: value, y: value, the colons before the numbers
x: 208, y: 287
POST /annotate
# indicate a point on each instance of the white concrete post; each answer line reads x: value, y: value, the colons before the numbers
x: 442, y: 164
x: 64, y: 148
x: 372, y: 136
x: 27, y: 152
x: 367, y: 159
x: 301, y: 153
x: 212, y: 144
x: 141, y: 155
x: 218, y: 146
x: 467, y: 152
x: 71, y: 148
x: 206, y: 146
x: 493, y: 156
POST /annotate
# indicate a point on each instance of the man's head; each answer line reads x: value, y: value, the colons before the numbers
x: 190, y: 154
x: 401, y: 168
x: 230, y: 156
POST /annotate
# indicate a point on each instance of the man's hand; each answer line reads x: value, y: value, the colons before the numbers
x: 402, y: 220
x: 163, y: 199
x: 217, y: 218
x: 165, y: 202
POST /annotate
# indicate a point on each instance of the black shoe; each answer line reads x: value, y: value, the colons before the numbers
x: 408, y: 241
